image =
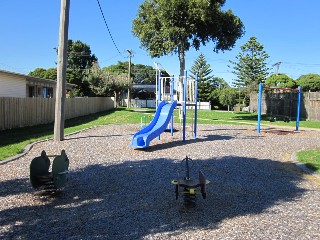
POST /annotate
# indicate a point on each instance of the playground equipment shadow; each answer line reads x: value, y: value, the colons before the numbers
x: 129, y: 201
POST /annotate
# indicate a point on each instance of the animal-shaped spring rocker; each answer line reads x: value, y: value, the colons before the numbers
x: 188, y: 187
x: 40, y: 175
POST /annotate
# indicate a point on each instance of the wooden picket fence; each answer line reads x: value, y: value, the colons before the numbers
x: 22, y: 112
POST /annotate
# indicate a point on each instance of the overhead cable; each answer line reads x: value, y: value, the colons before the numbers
x: 108, y: 28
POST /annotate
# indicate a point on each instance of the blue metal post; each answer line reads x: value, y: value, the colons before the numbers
x: 196, y: 107
x: 159, y: 92
x: 259, y: 106
x: 298, y: 108
x: 184, y: 110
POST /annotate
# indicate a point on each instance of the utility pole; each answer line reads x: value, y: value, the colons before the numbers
x: 61, y: 71
x: 129, y: 77
x: 278, y: 65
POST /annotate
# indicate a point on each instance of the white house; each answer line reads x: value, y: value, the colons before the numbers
x: 23, y: 86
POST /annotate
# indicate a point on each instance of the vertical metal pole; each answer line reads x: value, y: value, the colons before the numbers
x: 196, y: 103
x: 259, y: 106
x: 129, y: 78
x: 156, y: 87
x: 298, y: 108
x: 184, y: 111
x: 61, y: 71
x: 171, y: 99
x: 159, y: 92
x: 159, y: 87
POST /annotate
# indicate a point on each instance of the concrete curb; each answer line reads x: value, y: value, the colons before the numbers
x: 303, y: 166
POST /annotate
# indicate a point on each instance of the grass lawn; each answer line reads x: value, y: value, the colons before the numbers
x: 13, y: 142
x: 311, y: 158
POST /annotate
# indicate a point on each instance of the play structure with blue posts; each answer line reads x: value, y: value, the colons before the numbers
x: 185, y: 97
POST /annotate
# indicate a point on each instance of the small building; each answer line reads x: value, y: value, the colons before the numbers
x: 24, y: 86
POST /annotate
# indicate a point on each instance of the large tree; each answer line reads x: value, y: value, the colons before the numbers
x: 250, y: 66
x: 80, y: 60
x: 173, y: 27
x: 206, y: 82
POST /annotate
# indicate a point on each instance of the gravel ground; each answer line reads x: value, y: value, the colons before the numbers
x: 115, y: 192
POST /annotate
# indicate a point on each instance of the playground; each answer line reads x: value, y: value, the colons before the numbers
x: 114, y: 191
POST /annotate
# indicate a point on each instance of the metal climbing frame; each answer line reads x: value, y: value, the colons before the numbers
x: 187, y: 97
x: 261, y: 87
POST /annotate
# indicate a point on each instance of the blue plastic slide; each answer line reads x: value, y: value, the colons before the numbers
x: 158, y: 124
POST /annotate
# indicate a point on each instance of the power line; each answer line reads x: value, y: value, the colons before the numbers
x: 108, y: 28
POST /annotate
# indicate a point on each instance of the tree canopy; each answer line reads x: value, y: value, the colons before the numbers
x: 173, y: 27
x: 309, y: 82
x: 205, y: 78
x: 140, y: 73
x: 280, y: 81
x: 250, y: 66
x: 80, y: 60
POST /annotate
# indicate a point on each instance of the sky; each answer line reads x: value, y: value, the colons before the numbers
x: 289, y: 30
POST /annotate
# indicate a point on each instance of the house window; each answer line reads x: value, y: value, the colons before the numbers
x: 50, y: 92
x: 31, y: 91
x: 39, y: 91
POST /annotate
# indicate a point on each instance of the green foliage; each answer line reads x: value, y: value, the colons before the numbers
x: 220, y: 83
x: 280, y: 81
x: 206, y: 82
x: 38, y: 72
x: 80, y: 60
x: 109, y: 81
x: 250, y: 66
x: 228, y: 97
x: 143, y: 74
x: 309, y: 82
x: 214, y: 95
x: 173, y: 27
x: 51, y: 73
x: 140, y: 73
x: 119, y: 68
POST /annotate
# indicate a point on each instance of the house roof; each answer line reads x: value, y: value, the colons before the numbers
x: 36, y: 79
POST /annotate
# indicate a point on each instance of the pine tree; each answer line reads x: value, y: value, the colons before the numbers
x: 250, y: 67
x: 206, y: 83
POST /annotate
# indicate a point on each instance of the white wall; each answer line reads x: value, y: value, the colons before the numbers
x: 12, y: 86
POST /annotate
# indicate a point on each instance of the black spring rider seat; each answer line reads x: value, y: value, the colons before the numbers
x: 40, y: 175
x: 187, y: 187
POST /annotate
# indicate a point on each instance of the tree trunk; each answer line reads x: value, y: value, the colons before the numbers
x: 115, y: 99
x: 182, y: 60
